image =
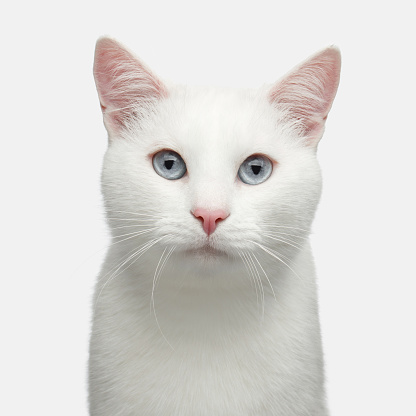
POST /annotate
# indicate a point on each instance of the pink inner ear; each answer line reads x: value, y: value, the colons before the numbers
x: 308, y: 91
x: 123, y: 82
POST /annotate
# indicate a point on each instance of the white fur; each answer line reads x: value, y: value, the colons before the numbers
x: 199, y: 332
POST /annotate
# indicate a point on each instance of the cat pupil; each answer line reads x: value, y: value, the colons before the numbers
x: 256, y: 169
x: 169, y: 164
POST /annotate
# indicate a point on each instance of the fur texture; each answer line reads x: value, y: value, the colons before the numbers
x: 188, y: 324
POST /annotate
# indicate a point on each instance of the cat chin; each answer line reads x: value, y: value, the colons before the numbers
x: 206, y: 252
x: 206, y: 255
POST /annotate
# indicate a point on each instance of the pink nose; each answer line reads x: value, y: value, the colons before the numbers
x: 210, y: 218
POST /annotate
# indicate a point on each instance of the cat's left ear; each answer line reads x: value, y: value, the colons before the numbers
x: 126, y: 87
x: 307, y: 92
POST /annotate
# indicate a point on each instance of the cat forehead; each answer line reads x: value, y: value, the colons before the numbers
x: 219, y: 107
x: 214, y: 119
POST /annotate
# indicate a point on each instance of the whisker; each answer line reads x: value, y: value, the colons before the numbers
x: 115, y: 269
x: 260, y: 283
x: 130, y: 226
x: 273, y: 254
x: 134, y: 213
x: 159, y: 268
x: 129, y: 219
x: 133, y: 236
x: 250, y: 273
x: 267, y: 277
x: 114, y: 242
x: 135, y: 233
x: 284, y: 241
x: 128, y: 257
x: 163, y: 264
x: 285, y: 226
x: 286, y: 234
x: 290, y: 239
x: 118, y: 269
x: 155, y: 276
x: 147, y: 248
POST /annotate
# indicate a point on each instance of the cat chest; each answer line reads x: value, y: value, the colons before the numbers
x: 204, y: 376
x: 197, y: 380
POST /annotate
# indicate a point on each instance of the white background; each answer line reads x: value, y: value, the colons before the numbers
x: 53, y: 140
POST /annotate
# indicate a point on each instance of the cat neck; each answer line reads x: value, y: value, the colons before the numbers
x: 197, y: 304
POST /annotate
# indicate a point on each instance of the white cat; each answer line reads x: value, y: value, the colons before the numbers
x: 206, y: 304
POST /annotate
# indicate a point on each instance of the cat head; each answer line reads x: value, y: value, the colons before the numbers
x: 212, y: 172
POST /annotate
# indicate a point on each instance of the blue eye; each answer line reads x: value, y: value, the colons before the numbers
x: 255, y: 169
x: 169, y: 164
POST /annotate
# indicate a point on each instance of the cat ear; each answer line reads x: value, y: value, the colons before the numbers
x: 125, y: 85
x: 307, y: 92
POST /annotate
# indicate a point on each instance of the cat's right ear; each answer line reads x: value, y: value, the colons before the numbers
x: 126, y: 87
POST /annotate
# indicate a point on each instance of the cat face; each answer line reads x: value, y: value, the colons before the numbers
x: 212, y: 172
